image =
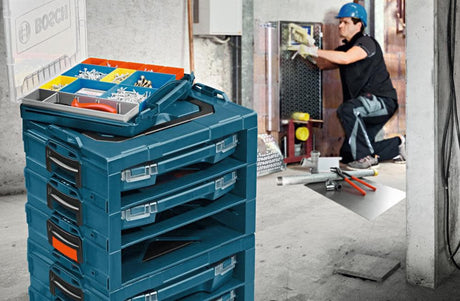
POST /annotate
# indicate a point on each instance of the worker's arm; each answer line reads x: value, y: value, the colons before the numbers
x: 329, y: 59
x: 354, y: 54
x: 324, y: 64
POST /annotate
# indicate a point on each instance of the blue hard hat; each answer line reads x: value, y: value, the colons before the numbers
x: 353, y: 10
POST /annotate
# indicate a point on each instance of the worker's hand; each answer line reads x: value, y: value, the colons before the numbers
x: 301, y: 35
x: 304, y: 51
x: 304, y: 39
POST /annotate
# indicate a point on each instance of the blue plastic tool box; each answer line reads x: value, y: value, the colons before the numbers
x: 98, y: 192
x: 111, y: 269
x: 138, y: 208
x: 42, y: 152
x: 117, y: 176
x: 209, y: 276
x: 95, y: 181
x: 87, y: 158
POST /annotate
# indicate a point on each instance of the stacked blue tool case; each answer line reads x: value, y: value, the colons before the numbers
x: 167, y: 213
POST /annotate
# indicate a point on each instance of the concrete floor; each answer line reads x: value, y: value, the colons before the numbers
x: 301, y: 237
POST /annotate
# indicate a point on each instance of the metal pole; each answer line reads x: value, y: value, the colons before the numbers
x: 190, y: 35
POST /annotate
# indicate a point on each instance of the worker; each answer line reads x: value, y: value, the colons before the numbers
x: 370, y: 99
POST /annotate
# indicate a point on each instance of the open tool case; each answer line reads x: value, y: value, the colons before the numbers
x: 175, y: 102
x: 45, y: 68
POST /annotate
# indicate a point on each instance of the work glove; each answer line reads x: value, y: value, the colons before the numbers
x: 300, y: 35
x: 304, y: 51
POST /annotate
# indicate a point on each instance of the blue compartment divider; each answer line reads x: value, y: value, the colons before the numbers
x: 157, y: 79
x: 75, y: 71
x: 147, y: 93
x: 94, y: 88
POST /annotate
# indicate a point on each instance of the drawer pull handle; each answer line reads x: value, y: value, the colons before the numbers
x: 67, y: 244
x: 64, y: 203
x: 63, y: 165
x: 64, y: 240
x: 71, y: 291
x: 69, y: 165
x: 66, y: 291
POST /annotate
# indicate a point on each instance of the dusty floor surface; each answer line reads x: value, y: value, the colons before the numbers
x: 301, y: 237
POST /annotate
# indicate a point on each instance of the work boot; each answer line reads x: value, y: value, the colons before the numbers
x: 401, y: 157
x: 364, y: 163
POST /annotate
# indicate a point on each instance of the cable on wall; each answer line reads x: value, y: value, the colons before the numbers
x: 451, y: 127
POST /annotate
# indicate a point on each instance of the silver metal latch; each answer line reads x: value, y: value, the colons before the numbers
x: 231, y: 297
x: 148, y: 297
x: 226, y: 144
x: 225, y: 182
x: 225, y: 267
x: 139, y: 173
x: 139, y: 212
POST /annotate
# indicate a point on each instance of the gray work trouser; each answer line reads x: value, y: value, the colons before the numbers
x: 362, y: 118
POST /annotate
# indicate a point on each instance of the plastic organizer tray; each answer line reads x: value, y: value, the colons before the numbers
x: 138, y: 255
x: 97, y: 83
x: 99, y: 98
x: 220, y: 275
x: 173, y: 104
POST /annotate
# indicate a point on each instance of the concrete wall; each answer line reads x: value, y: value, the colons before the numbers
x: 443, y: 94
x: 297, y: 10
x: 427, y: 105
x: 421, y: 113
x: 11, y: 151
x: 150, y: 31
x: 153, y: 32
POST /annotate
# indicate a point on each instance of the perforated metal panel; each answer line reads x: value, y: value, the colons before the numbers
x: 300, y: 80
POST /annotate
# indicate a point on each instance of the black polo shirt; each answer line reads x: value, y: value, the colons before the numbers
x: 366, y: 76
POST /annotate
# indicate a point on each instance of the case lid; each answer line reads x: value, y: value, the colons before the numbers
x: 43, y: 39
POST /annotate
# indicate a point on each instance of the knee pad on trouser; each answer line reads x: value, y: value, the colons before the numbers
x: 346, y: 112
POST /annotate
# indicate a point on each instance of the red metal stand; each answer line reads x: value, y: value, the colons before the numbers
x: 291, y: 157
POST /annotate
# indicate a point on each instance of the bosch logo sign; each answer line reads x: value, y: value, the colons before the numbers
x: 24, y: 32
x: 43, y: 23
x: 51, y: 19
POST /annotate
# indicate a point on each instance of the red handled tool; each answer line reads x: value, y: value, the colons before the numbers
x: 348, y: 178
x: 359, y: 180
x: 94, y: 106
